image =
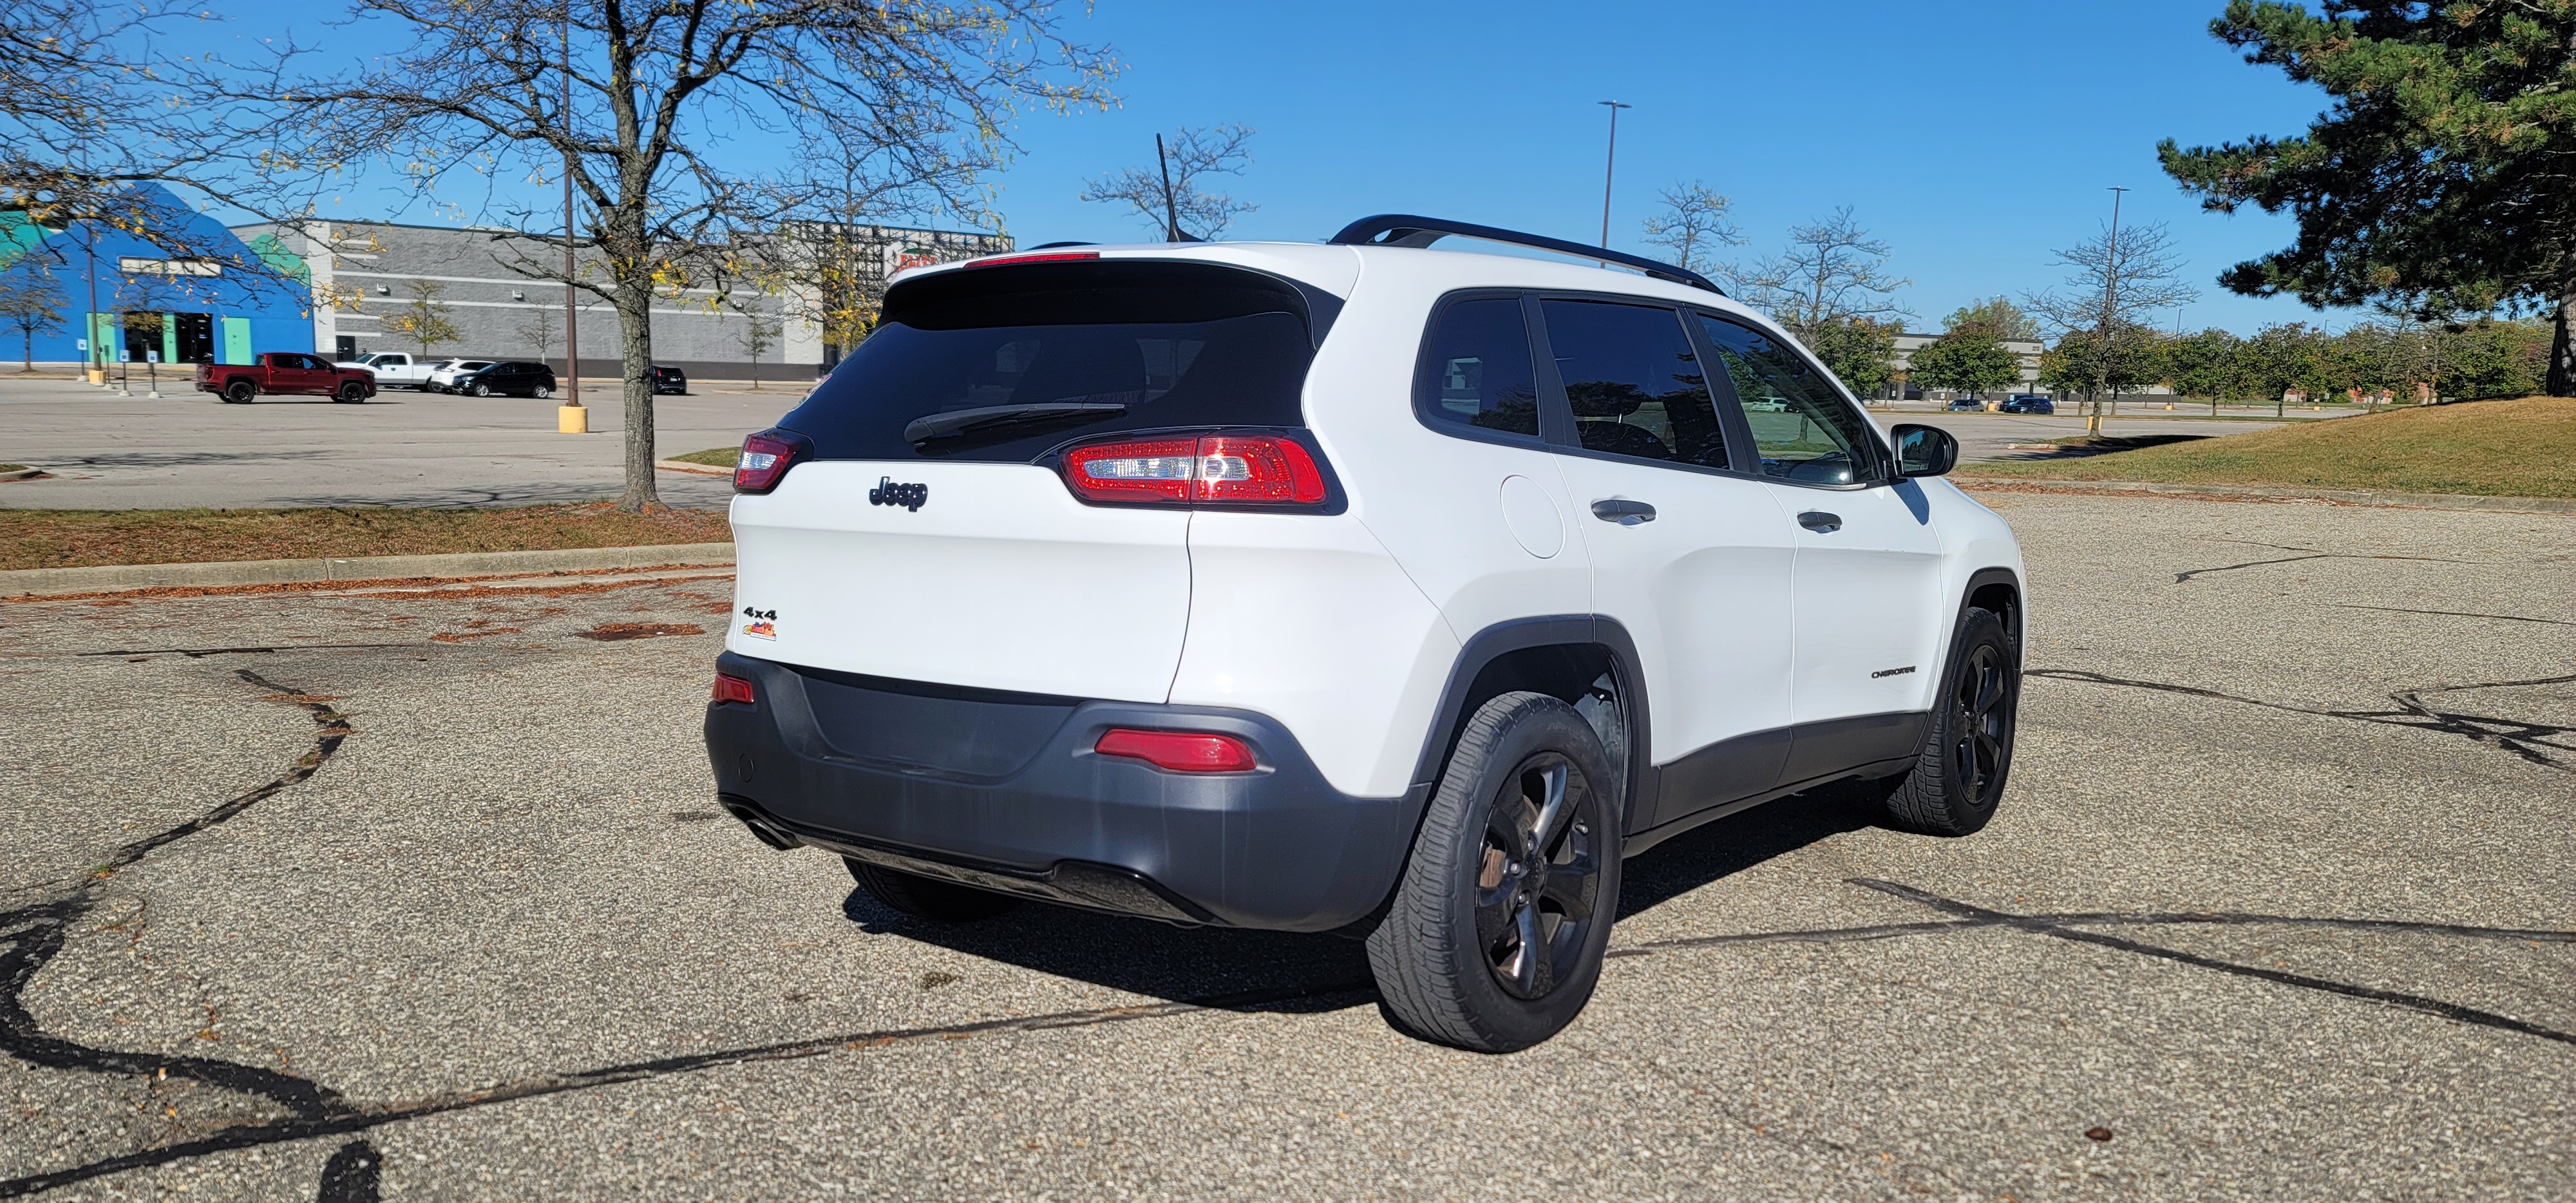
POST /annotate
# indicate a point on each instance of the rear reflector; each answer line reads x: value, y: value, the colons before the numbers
x: 766, y: 456
x: 1179, y: 751
x: 733, y: 689
x: 1217, y: 469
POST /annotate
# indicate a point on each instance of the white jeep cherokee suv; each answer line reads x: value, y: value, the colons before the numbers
x: 1358, y: 587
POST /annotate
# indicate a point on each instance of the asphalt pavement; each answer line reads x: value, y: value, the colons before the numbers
x: 185, y: 449
x: 412, y: 895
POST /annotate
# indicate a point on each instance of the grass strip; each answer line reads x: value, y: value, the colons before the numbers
x: 84, y: 538
x: 713, y: 457
x: 2516, y: 448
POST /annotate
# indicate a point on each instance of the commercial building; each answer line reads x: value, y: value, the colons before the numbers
x: 137, y: 302
x: 479, y: 291
x: 2026, y: 351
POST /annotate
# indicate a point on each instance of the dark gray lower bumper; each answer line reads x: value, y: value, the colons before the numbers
x: 1033, y: 810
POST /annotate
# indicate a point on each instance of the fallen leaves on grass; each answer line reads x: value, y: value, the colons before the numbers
x: 611, y: 631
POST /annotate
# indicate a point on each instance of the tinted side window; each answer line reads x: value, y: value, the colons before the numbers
x: 1635, y: 386
x: 1801, y: 426
x: 1480, y: 372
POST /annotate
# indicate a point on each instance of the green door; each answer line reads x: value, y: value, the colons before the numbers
x: 237, y: 340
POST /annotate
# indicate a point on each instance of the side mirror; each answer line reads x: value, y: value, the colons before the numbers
x: 1924, y: 450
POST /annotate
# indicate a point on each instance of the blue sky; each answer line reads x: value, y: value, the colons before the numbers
x: 1972, y: 137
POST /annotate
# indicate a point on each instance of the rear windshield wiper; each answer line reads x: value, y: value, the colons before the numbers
x: 959, y: 421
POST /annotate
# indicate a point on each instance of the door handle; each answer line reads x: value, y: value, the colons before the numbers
x: 1622, y: 511
x: 1821, y: 522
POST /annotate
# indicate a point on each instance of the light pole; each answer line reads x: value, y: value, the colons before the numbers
x: 95, y: 371
x: 570, y: 417
x: 1609, y: 168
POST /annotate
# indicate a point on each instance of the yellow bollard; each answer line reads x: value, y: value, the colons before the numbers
x: 572, y: 419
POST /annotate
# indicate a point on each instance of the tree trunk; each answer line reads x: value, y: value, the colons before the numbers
x: 2562, y: 341
x: 634, y: 304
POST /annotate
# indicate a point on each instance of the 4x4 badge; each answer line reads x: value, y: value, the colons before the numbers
x: 763, y: 624
x: 888, y: 492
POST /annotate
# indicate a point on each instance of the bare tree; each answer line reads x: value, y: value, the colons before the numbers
x: 2118, y: 280
x: 759, y: 333
x: 1832, y: 272
x: 645, y: 121
x: 1168, y: 197
x: 542, y: 331
x: 1692, y: 223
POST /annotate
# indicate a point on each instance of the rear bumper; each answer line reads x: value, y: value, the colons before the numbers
x: 1031, y: 809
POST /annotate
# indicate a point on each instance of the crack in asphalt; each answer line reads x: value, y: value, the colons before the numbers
x: 2532, y: 741
x: 34, y: 935
x: 1977, y: 916
x: 2181, y: 577
x: 2555, y: 622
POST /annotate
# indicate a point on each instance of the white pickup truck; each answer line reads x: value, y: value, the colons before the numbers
x: 393, y: 368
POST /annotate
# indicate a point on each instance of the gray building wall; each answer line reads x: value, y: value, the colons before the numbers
x: 363, y: 272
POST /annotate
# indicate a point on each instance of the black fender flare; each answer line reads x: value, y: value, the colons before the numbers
x: 1521, y: 634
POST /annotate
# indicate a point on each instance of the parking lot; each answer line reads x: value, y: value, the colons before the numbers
x: 423, y: 895
x: 182, y: 449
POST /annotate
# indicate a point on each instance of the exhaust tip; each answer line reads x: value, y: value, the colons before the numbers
x: 761, y: 828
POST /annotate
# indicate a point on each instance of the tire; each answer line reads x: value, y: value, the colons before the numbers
x: 482, y: 390
x: 927, y: 897
x: 351, y: 394
x: 542, y: 392
x: 239, y: 392
x: 1476, y: 951
x: 1958, y: 776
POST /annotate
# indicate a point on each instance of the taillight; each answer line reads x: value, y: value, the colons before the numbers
x: 1179, y: 751
x: 732, y: 689
x: 766, y: 456
x: 1207, y: 469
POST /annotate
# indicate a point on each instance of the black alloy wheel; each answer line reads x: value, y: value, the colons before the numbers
x: 352, y: 393
x: 239, y: 392
x: 1958, y: 775
x: 1496, y: 935
x: 1538, y: 882
x: 1981, y: 722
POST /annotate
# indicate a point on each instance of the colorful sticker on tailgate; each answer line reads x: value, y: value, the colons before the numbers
x: 763, y: 624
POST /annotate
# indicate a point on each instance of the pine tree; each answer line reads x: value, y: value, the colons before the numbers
x: 2436, y: 183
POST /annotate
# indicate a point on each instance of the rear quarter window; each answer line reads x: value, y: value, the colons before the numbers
x: 1007, y: 363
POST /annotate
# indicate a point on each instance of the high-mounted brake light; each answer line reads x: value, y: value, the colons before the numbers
x: 1207, y: 469
x: 1048, y: 257
x: 1179, y: 751
x: 766, y: 456
x: 732, y: 689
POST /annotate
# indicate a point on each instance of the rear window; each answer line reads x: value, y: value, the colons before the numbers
x: 1007, y: 363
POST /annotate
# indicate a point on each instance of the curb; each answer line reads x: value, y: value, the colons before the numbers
x: 681, y: 465
x: 38, y: 582
x: 2369, y: 497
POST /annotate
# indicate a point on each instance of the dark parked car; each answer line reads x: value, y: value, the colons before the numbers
x: 2029, y: 403
x: 1958, y: 404
x: 509, y: 378
x: 670, y: 380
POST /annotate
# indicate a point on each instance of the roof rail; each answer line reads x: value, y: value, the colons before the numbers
x: 1405, y: 229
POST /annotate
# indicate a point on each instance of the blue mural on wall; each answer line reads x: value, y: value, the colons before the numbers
x: 192, y: 293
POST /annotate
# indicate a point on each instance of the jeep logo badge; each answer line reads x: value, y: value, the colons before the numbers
x: 887, y: 492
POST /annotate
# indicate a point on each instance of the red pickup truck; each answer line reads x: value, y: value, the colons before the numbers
x: 285, y: 373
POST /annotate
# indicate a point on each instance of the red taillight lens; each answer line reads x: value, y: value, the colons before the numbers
x: 765, y: 458
x: 733, y: 689
x: 1179, y: 751
x: 1218, y: 469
